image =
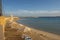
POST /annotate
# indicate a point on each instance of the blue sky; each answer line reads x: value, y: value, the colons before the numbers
x: 31, y: 7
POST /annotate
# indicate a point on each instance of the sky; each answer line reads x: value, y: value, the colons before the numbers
x: 33, y: 8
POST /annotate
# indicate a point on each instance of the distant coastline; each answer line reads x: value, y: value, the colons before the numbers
x: 43, y: 17
x: 39, y: 17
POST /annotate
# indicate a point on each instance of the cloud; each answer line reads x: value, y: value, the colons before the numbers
x: 35, y: 13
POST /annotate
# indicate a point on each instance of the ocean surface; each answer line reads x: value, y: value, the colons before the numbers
x: 49, y: 24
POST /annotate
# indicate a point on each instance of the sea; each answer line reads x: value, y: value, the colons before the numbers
x: 48, y: 24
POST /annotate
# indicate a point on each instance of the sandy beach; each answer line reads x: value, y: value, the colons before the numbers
x: 16, y: 32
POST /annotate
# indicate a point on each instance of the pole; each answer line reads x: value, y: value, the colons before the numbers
x: 1, y: 27
x: 0, y: 7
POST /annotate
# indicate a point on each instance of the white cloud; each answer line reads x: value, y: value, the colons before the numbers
x: 35, y: 13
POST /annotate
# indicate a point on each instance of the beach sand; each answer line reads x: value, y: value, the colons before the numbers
x: 17, y: 30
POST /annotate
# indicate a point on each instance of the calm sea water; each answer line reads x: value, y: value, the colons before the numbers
x: 49, y: 24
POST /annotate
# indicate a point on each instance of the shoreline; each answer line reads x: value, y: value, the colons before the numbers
x: 41, y: 29
x: 44, y: 34
x: 35, y: 34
